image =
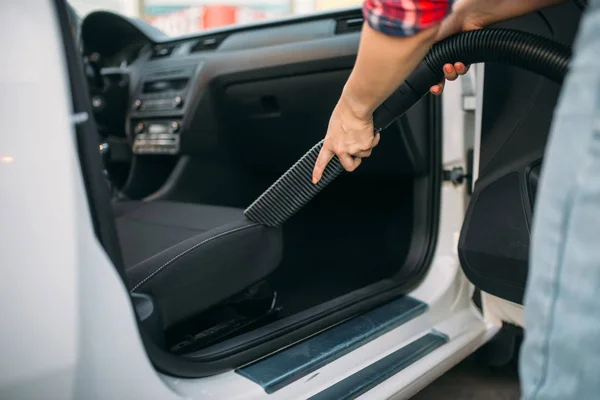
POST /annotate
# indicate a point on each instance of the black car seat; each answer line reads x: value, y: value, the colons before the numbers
x: 189, y: 257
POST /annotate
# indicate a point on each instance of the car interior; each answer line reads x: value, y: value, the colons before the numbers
x: 193, y: 129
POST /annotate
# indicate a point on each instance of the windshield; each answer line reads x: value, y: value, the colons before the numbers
x: 178, y: 17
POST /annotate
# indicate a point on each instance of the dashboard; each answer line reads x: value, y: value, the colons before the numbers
x: 154, y: 90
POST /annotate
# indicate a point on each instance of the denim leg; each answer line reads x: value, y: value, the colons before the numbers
x: 560, y: 357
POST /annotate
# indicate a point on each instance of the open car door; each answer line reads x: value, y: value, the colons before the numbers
x: 513, y: 124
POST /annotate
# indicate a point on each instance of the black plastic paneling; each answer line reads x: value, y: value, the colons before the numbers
x: 209, y: 43
x: 274, y: 121
x: 533, y: 178
x: 87, y: 146
x: 147, y: 174
x: 517, y: 113
x: 310, y: 30
x: 499, y: 244
x: 350, y: 23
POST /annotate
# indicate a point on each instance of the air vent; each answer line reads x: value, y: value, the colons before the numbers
x: 162, y: 51
x: 349, y: 24
x: 208, y: 43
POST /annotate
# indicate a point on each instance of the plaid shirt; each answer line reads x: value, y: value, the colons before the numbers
x: 405, y: 17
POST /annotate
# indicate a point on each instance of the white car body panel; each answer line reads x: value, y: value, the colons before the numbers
x: 38, y: 248
x: 69, y: 330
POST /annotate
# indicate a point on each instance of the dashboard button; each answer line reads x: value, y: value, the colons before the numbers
x: 177, y: 102
x: 139, y: 128
x: 137, y: 104
x: 174, y: 126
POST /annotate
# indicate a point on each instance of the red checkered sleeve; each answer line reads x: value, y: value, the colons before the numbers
x: 405, y: 17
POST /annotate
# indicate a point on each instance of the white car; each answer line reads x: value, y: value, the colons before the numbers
x: 133, y: 273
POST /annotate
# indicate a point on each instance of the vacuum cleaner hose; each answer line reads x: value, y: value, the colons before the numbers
x: 531, y: 52
x: 528, y: 51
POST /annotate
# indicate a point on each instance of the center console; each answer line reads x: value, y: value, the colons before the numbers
x: 157, y: 109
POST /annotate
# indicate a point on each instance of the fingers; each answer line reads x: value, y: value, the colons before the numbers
x: 362, y: 150
x: 376, y: 139
x: 349, y: 163
x: 451, y: 73
x: 460, y: 68
x: 350, y: 147
x: 325, y: 155
x: 363, y: 154
x: 437, y: 89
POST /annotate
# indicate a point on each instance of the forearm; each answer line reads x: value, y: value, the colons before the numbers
x: 382, y: 64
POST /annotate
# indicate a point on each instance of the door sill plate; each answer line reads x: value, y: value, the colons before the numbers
x: 371, y: 376
x: 299, y: 360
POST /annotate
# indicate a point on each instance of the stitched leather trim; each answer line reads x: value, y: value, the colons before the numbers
x: 189, y: 250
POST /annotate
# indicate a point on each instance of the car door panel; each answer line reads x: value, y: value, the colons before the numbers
x: 516, y: 118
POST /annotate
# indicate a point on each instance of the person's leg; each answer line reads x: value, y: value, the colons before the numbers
x: 560, y: 357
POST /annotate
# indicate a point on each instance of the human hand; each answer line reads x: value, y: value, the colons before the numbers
x: 350, y: 136
x: 451, y: 73
x: 382, y: 64
x: 464, y: 18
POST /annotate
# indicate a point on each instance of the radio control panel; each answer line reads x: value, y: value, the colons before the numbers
x: 156, y: 137
x: 157, y: 103
x: 163, y: 92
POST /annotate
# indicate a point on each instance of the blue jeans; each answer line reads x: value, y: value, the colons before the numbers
x: 560, y: 357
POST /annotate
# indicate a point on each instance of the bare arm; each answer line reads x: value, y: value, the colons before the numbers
x: 382, y: 64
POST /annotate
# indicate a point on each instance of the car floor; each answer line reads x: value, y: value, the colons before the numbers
x: 469, y: 380
x: 344, y: 240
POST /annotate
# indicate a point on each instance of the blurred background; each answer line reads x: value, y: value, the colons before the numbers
x: 178, y: 17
